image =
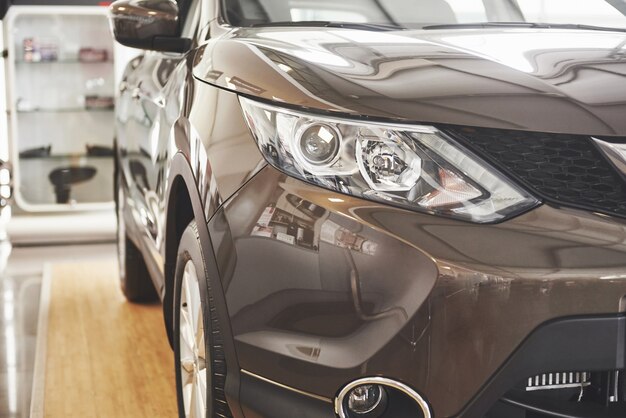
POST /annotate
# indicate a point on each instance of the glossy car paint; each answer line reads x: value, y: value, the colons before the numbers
x: 546, y: 80
x: 442, y: 303
x: 492, y: 286
x: 158, y: 19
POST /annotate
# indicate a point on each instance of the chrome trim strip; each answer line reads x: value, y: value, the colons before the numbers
x: 280, y: 385
x: 616, y: 153
x: 339, y: 410
x: 565, y: 386
x: 558, y: 380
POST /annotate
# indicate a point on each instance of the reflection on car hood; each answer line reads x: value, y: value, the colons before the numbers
x: 548, y: 80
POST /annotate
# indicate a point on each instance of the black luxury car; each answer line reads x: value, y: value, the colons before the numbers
x: 379, y: 208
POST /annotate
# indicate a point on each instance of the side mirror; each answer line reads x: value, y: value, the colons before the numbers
x: 148, y: 24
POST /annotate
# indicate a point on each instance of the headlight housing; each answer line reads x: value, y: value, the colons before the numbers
x: 415, y: 167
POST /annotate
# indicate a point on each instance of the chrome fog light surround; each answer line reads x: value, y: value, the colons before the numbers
x: 340, y: 400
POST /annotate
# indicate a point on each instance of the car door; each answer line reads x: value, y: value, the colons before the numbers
x: 145, y: 132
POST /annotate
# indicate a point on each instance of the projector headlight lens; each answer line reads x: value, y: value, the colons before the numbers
x: 319, y: 143
x: 415, y: 167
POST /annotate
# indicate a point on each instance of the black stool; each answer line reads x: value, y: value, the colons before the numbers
x: 63, y: 178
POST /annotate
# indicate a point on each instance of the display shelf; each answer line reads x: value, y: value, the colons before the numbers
x: 98, y: 188
x: 63, y: 157
x: 64, y: 61
x: 68, y: 110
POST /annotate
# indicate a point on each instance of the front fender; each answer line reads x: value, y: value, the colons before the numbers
x: 192, y: 194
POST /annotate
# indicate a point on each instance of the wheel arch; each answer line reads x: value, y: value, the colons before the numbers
x: 184, y: 204
x: 180, y: 212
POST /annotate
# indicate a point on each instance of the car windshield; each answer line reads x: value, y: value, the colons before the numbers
x: 415, y: 14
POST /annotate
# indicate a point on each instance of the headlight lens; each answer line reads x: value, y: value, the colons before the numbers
x: 416, y: 167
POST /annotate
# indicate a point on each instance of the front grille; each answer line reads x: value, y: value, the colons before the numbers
x: 600, y: 394
x: 565, y: 169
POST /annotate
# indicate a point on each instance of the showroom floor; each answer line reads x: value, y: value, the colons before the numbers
x: 19, y: 307
x: 108, y: 353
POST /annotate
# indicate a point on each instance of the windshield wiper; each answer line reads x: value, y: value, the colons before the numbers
x: 329, y: 24
x: 533, y: 25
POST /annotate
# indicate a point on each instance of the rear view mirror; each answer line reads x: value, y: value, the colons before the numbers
x: 148, y: 24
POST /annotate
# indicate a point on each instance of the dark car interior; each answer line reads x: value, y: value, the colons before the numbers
x: 260, y: 12
x: 405, y: 14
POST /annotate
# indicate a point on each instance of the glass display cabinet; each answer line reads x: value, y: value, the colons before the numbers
x: 61, y: 84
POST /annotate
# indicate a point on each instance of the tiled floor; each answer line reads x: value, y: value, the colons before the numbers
x: 19, y: 306
x: 21, y: 273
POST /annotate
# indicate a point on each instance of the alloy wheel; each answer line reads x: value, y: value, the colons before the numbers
x: 192, y: 350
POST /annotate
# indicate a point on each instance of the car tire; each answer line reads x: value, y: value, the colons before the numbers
x: 199, y: 356
x: 135, y: 279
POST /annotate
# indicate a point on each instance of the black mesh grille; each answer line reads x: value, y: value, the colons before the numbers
x: 566, y: 169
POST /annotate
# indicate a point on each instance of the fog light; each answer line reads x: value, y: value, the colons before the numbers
x: 319, y: 143
x: 365, y: 399
x: 380, y: 397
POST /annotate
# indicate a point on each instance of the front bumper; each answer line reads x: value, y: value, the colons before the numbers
x: 592, y: 343
x: 364, y: 289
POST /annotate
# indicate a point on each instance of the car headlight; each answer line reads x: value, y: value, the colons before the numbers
x: 415, y: 167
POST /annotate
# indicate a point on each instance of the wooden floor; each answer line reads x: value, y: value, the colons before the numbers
x: 105, y: 357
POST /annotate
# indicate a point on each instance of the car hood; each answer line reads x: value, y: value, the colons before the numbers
x: 550, y: 80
